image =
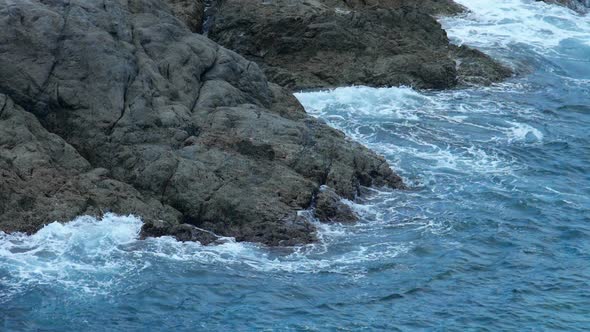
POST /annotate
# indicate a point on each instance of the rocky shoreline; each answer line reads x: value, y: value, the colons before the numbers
x: 122, y: 106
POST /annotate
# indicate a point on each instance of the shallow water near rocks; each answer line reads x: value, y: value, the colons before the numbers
x: 493, y: 235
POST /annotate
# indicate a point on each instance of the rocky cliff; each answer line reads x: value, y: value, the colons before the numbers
x: 117, y: 106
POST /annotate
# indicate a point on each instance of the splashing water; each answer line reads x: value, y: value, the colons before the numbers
x: 493, y: 235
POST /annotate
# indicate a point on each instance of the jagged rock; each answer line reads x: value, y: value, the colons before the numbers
x: 327, y: 43
x: 181, y: 130
x: 330, y: 208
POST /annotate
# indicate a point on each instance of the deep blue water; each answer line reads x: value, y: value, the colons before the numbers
x: 494, y: 234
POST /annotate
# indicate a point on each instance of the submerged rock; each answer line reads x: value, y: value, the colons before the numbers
x: 328, y: 43
x: 117, y: 106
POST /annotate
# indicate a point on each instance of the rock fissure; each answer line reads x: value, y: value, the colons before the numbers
x: 4, y: 103
x: 167, y: 182
x: 203, y: 79
x: 57, y: 52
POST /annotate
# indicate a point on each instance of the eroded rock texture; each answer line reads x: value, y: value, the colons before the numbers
x: 306, y: 44
x: 43, y: 179
x: 116, y: 105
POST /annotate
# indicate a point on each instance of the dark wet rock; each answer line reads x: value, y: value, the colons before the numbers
x: 432, y: 7
x: 316, y: 44
x: 190, y: 12
x: 330, y: 208
x: 581, y: 6
x: 133, y: 113
x: 182, y: 232
x: 476, y: 68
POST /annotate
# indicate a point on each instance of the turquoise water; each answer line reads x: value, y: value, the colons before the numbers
x: 494, y: 234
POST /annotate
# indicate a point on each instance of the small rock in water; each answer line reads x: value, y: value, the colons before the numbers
x: 330, y: 208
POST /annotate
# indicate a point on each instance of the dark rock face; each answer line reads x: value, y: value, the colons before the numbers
x: 330, y: 208
x: 581, y: 6
x: 116, y: 106
x: 327, y: 43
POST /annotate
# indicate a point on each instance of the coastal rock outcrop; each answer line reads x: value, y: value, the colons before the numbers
x: 117, y: 106
x: 328, y: 43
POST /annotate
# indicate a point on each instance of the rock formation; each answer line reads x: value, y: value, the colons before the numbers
x: 116, y: 105
x: 306, y: 44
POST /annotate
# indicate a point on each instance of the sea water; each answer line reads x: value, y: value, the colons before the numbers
x: 493, y: 234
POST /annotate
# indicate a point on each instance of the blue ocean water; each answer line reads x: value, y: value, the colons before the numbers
x: 493, y: 235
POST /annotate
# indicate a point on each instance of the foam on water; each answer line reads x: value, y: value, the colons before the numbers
x: 368, y: 102
x: 524, y: 132
x: 506, y: 23
x: 396, y: 112
x: 301, y: 259
x: 84, y: 254
x: 95, y: 256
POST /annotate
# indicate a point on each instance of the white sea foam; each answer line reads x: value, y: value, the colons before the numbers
x: 524, y: 133
x: 303, y: 259
x: 84, y: 254
x: 383, y: 102
x: 91, y: 256
x: 363, y: 111
x: 505, y: 23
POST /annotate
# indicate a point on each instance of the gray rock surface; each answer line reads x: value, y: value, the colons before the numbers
x: 311, y: 44
x: 116, y: 106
